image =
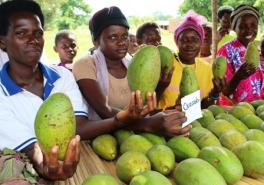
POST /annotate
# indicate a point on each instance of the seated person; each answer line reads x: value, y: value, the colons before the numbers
x: 149, y: 34
x: 188, y: 37
x: 66, y: 47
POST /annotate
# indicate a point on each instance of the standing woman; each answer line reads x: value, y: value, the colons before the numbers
x: 245, y: 81
x: 188, y: 37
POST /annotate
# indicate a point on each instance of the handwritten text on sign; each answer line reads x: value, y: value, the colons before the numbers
x: 191, y: 105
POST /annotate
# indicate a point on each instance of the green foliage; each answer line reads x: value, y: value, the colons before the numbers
x: 64, y: 14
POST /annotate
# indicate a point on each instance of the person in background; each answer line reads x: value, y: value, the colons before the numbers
x: 149, y: 34
x: 205, y: 52
x: 26, y: 83
x: 262, y: 52
x: 188, y: 37
x: 133, y: 45
x: 245, y: 81
x: 102, y: 77
x: 224, y: 34
x: 66, y: 47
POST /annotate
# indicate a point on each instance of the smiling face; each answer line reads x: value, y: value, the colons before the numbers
x: 114, y: 42
x: 189, y: 45
x: 24, y: 40
x: 246, y: 29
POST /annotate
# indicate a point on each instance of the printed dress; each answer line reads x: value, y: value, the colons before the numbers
x: 250, y: 88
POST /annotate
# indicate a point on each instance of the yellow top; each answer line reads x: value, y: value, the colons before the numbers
x: 204, y: 74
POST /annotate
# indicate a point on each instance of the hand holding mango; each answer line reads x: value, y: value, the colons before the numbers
x: 55, y: 169
x: 136, y: 108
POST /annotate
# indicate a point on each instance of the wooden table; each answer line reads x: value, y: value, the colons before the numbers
x: 91, y: 164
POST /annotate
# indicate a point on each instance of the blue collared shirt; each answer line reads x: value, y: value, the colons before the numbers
x: 19, y: 106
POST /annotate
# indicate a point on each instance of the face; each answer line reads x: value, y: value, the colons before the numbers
x: 133, y: 45
x: 246, y: 29
x: 262, y: 47
x: 24, y: 40
x: 189, y: 45
x: 225, y: 21
x: 114, y: 41
x: 66, y: 48
x: 151, y: 37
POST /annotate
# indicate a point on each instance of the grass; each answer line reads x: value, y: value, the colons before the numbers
x: 85, y: 42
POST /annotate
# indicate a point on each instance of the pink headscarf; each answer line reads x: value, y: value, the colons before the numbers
x: 192, y: 20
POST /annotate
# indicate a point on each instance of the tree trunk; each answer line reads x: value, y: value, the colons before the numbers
x: 214, y: 28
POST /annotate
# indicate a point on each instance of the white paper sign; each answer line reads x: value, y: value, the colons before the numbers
x: 191, y: 105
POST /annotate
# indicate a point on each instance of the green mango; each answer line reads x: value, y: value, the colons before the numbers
x: 252, y: 121
x: 153, y: 138
x: 166, y: 57
x: 232, y: 138
x: 251, y: 155
x: 55, y: 124
x: 252, y: 53
x: 122, y: 134
x: 239, y: 125
x: 255, y: 135
x: 195, y: 171
x: 164, y: 164
x: 183, y: 147
x: 257, y: 103
x: 135, y: 143
x: 105, y: 146
x: 219, y: 67
x: 189, y: 82
x: 207, y: 118
x: 131, y: 164
x: 150, y: 178
x: 220, y: 126
x: 226, y: 163
x: 144, y: 70
x: 216, y: 109
x: 100, y: 179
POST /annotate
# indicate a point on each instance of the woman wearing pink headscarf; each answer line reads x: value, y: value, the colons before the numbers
x: 188, y: 37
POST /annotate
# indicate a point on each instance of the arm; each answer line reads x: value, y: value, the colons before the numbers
x: 95, y: 98
x: 245, y: 70
x: 89, y: 129
x: 164, y: 81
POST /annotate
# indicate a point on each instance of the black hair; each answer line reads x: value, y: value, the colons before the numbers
x: 62, y: 34
x: 224, y: 10
x: 144, y: 27
x: 8, y: 8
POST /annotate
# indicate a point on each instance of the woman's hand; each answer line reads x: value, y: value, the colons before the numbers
x: 136, y: 109
x: 245, y: 70
x: 170, y: 123
x: 51, y: 168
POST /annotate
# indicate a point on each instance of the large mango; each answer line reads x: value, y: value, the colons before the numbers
x: 219, y: 67
x: 144, y: 70
x: 189, y: 82
x: 252, y: 53
x: 55, y: 124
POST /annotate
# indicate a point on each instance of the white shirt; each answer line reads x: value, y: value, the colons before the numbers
x: 3, y: 58
x: 19, y: 106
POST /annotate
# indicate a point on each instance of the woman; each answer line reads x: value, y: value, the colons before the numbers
x: 245, y: 81
x: 26, y: 83
x: 188, y: 37
x: 102, y: 77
